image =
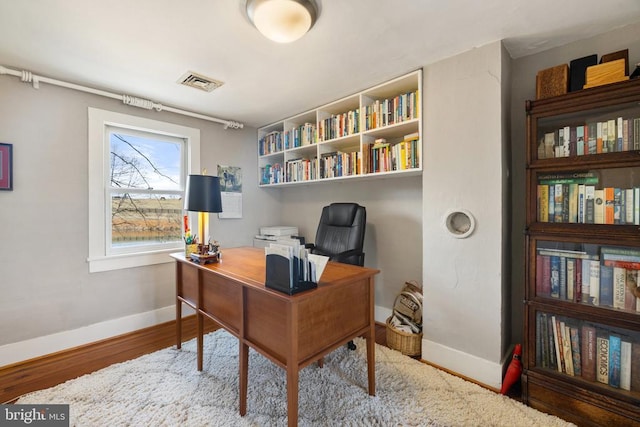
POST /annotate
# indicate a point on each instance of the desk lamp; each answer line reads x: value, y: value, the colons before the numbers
x: 202, y: 195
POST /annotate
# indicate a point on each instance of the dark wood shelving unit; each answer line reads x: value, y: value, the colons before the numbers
x: 547, y: 384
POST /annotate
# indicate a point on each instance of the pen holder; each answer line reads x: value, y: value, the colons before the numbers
x: 189, y: 249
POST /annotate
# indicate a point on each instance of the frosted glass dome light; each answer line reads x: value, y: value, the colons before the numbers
x: 282, y: 21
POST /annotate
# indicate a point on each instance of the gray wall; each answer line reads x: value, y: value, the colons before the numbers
x: 393, y: 239
x: 465, y: 170
x: 524, y: 72
x: 44, y: 279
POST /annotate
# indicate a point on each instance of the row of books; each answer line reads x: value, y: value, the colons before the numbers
x: 382, y: 156
x: 339, y: 125
x: 391, y: 111
x: 340, y: 164
x: 272, y: 174
x: 608, y: 136
x: 270, y: 143
x: 588, y: 351
x: 609, y: 279
x: 299, y: 136
x: 300, y: 170
x: 586, y: 204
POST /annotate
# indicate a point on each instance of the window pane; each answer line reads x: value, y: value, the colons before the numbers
x: 145, y: 219
x: 145, y: 162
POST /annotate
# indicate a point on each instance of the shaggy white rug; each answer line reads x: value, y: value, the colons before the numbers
x: 165, y: 389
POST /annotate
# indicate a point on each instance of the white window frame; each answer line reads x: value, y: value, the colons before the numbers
x: 100, y: 258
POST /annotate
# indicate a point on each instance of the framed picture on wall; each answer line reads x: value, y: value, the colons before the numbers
x: 6, y: 166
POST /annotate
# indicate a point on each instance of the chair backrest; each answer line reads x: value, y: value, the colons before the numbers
x: 341, y: 229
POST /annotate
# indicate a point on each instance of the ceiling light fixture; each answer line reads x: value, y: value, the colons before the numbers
x: 282, y: 21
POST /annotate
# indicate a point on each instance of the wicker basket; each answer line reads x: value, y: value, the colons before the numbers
x: 406, y: 343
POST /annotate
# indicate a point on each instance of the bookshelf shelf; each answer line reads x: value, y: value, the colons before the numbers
x: 582, y: 300
x: 375, y: 132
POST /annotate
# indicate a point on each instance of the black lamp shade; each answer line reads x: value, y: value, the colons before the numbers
x: 202, y: 194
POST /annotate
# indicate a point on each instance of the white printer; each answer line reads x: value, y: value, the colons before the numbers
x: 273, y: 233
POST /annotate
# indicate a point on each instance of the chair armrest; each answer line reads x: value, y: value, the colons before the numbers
x: 347, y: 254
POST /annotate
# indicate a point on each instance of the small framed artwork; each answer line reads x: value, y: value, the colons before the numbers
x: 6, y: 166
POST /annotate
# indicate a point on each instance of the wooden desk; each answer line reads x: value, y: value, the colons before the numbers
x: 292, y: 331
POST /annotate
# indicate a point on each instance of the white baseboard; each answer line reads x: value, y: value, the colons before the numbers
x: 381, y: 314
x: 36, y: 347
x: 473, y: 367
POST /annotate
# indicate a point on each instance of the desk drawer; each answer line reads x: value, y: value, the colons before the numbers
x: 188, y: 283
x: 222, y: 300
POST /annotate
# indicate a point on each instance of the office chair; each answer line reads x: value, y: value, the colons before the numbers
x: 340, y: 235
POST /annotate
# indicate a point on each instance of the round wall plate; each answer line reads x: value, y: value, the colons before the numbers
x: 460, y: 223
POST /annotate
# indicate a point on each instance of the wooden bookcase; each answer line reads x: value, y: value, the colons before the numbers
x: 373, y: 133
x: 583, y: 256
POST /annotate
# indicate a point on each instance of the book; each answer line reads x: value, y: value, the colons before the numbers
x: 620, y: 135
x: 598, y: 206
x: 602, y: 358
x: 606, y: 286
x: 617, y: 206
x: 549, y: 144
x: 620, y: 254
x: 582, y: 203
x: 573, y: 202
x: 635, y: 363
x: 591, y: 138
x: 574, y: 337
x: 571, y: 278
x: 614, y: 360
x: 619, y: 286
x: 553, y: 356
x: 558, y: 203
x: 589, y: 195
x: 557, y: 343
x: 566, y: 142
x: 625, y: 365
x: 588, y: 354
x: 586, y: 281
x: 611, y: 136
x: 577, y: 294
x: 543, y: 203
x: 609, y: 205
x: 580, y: 140
x: 563, y: 278
x: 566, y: 348
x: 631, y: 283
x: 554, y: 277
x: 594, y: 283
x: 599, y: 139
x: 543, y: 275
x: 629, y: 206
x: 540, y: 359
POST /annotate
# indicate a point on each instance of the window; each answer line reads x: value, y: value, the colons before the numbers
x: 137, y: 175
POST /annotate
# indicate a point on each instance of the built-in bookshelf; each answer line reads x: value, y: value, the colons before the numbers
x: 373, y: 133
x: 582, y: 296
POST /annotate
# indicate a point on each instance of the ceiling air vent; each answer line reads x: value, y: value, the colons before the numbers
x: 199, y: 81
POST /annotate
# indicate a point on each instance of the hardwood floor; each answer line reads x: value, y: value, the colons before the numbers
x: 52, y: 369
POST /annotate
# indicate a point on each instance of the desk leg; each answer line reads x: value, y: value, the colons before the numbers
x: 244, y: 373
x: 178, y: 324
x: 200, y: 321
x: 371, y: 364
x: 292, y: 395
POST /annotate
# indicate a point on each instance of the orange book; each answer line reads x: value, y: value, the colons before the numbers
x: 599, y: 138
x: 608, y: 205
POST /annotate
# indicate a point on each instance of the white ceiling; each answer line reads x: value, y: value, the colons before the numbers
x: 142, y: 47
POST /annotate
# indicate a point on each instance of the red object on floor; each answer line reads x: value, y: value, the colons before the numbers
x: 513, y: 371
